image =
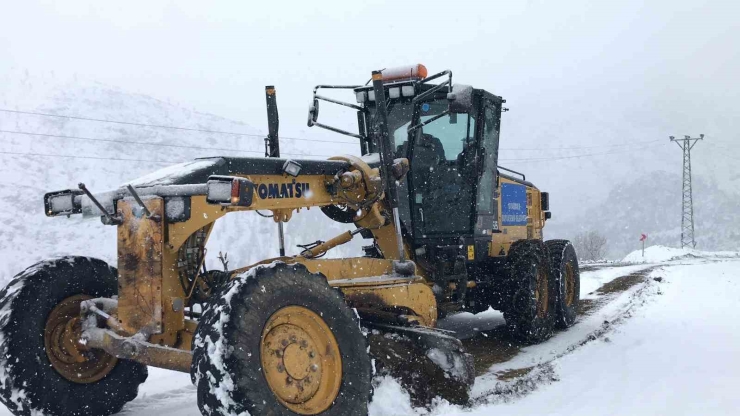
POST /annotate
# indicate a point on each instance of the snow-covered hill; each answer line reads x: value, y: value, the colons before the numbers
x: 27, y: 236
x: 658, y: 254
x: 651, y: 204
x: 638, y: 202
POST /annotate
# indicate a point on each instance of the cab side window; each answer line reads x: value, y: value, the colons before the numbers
x: 489, y: 146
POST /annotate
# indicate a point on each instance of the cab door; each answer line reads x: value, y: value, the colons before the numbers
x: 487, y: 203
x: 443, y: 196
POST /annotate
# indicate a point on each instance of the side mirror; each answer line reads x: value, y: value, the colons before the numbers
x: 313, y: 113
x: 460, y: 99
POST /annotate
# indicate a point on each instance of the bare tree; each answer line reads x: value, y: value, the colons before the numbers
x: 590, y: 245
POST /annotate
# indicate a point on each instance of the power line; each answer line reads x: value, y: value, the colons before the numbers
x: 142, y: 143
x: 107, y: 158
x: 161, y: 126
x: 289, y: 138
x: 542, y: 159
x: 104, y: 158
x: 231, y: 150
x: 126, y: 141
x: 725, y: 147
x: 582, y: 147
x: 86, y: 157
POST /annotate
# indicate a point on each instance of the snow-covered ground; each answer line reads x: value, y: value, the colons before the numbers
x: 667, y: 347
x: 676, y: 354
x: 660, y: 347
x: 656, y: 254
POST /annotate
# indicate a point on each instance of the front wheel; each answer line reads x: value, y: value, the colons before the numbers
x: 280, y: 341
x: 44, y: 370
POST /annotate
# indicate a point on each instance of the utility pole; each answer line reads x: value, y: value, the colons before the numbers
x: 272, y: 146
x: 687, y: 201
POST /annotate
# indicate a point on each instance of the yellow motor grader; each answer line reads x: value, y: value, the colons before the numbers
x: 448, y: 232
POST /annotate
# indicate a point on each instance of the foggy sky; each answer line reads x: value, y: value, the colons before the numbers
x: 578, y: 73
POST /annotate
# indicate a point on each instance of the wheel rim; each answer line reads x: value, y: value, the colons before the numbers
x: 541, y: 294
x: 570, y: 285
x: 68, y: 357
x: 301, y: 360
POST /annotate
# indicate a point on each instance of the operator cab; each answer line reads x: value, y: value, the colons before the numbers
x: 450, y: 136
x: 453, y: 158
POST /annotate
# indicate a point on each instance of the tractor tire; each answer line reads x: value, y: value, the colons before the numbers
x: 529, y: 305
x: 40, y: 374
x: 280, y: 341
x: 568, y: 281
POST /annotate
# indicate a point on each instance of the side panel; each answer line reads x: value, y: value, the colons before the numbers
x: 350, y: 268
x: 521, y: 216
x: 416, y: 298
x: 535, y: 215
x: 367, y: 283
x: 140, y: 245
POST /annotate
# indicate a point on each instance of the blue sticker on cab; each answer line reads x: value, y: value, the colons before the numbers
x: 513, y: 204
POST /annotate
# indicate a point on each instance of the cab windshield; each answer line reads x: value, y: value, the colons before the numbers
x: 452, y: 131
x: 438, y: 196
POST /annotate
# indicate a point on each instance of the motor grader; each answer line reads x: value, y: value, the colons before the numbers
x: 448, y: 231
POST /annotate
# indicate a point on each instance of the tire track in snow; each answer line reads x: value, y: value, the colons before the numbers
x: 504, y: 389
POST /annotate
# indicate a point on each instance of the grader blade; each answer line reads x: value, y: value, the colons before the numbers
x: 428, y: 362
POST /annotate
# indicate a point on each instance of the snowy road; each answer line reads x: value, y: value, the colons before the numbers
x: 677, y: 355
x: 674, y: 353
x: 671, y: 348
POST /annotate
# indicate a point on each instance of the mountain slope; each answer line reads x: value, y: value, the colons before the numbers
x: 122, y: 152
x: 27, y: 236
x: 651, y: 204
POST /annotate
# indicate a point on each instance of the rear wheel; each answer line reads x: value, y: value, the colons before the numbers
x: 45, y: 371
x: 280, y: 341
x: 568, y: 281
x: 529, y: 304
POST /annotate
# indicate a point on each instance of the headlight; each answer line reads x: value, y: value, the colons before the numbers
x: 292, y: 168
x: 407, y: 90
x: 177, y: 208
x: 62, y: 203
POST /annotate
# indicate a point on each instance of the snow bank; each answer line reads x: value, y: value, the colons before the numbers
x: 658, y: 254
x: 674, y: 356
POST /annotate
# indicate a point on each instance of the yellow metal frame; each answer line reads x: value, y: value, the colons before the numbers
x: 151, y: 249
x: 151, y: 296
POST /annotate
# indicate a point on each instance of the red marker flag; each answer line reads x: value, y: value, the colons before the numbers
x: 643, y: 237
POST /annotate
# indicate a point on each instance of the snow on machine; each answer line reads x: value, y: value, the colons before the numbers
x: 448, y: 231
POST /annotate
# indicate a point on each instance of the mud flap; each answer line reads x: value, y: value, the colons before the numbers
x: 428, y: 362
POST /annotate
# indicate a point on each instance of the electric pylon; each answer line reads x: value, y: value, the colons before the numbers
x: 687, y: 201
